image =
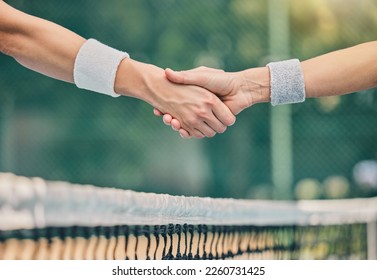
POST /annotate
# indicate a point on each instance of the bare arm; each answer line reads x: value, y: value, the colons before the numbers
x: 336, y: 73
x: 38, y: 44
x: 51, y: 49
x: 342, y: 71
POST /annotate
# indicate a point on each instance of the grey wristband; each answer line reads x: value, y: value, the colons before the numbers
x: 287, y: 82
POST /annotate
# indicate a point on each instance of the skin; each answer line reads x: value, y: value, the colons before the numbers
x: 42, y: 46
x: 336, y: 73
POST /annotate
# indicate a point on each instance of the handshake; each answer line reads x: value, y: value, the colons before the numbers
x: 203, y: 102
x: 221, y: 97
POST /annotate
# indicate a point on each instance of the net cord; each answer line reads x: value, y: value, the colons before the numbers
x: 35, y: 203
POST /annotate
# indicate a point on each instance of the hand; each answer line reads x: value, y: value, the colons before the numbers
x: 238, y: 90
x: 199, y: 112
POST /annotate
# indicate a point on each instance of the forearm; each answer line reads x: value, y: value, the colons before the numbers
x: 336, y: 73
x: 38, y: 44
x: 341, y: 72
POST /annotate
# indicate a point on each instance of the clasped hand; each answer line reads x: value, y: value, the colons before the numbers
x: 237, y: 91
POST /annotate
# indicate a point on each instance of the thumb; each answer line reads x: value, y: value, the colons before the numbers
x: 195, y: 78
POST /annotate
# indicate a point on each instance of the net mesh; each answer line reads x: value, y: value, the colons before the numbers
x: 57, y: 220
x: 192, y: 242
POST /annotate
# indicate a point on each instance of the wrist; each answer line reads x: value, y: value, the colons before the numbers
x: 123, y: 78
x: 131, y: 81
x: 255, y: 82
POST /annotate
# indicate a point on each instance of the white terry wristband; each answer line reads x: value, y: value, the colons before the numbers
x: 287, y: 82
x: 95, y: 67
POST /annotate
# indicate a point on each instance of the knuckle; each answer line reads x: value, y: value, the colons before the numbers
x: 192, y: 120
x: 209, y: 98
x: 203, y: 114
x: 212, y: 97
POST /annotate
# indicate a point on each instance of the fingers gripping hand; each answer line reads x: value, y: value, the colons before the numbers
x: 219, y: 110
x: 196, y: 110
x: 227, y: 86
x: 238, y: 90
x: 174, y: 123
x: 166, y: 118
x: 195, y: 107
x: 214, y: 80
x: 223, y: 117
x: 199, y: 112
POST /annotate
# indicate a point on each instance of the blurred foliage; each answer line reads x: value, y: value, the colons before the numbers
x: 54, y: 130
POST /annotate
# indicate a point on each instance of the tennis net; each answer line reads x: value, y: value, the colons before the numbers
x: 56, y: 220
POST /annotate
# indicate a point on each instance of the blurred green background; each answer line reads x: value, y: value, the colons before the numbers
x: 324, y: 148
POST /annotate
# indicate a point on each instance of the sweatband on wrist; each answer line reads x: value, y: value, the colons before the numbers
x: 286, y: 82
x: 96, y: 66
